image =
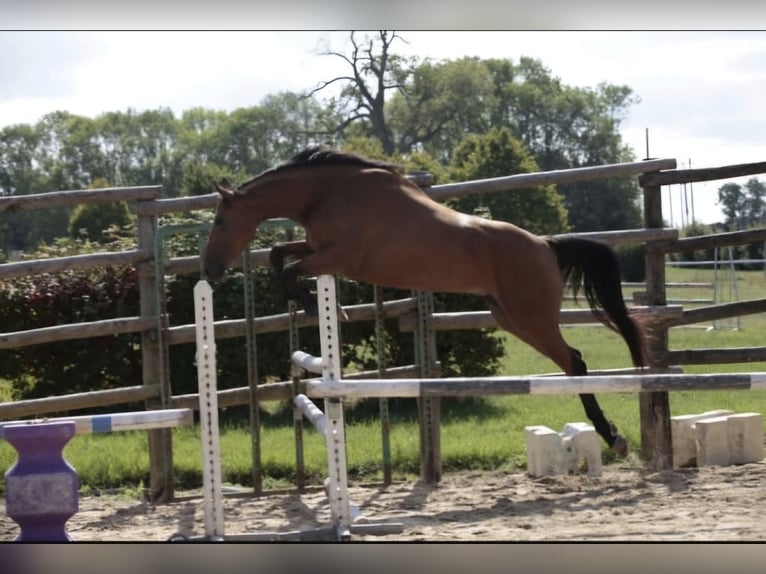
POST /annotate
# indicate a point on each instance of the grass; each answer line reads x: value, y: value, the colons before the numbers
x: 477, y: 434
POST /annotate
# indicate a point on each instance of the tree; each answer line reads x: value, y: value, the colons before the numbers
x: 566, y: 127
x: 23, y: 171
x: 562, y: 126
x: 199, y: 178
x: 91, y: 221
x: 743, y: 207
x: 756, y: 206
x: 260, y: 136
x: 499, y: 153
x: 733, y: 202
x: 441, y: 103
x: 374, y: 71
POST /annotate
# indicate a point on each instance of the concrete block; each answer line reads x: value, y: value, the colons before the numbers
x: 684, y: 436
x: 581, y: 442
x: 745, y: 438
x: 551, y: 453
x: 544, y: 451
x: 712, y: 441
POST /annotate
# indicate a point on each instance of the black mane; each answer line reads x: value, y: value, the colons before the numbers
x: 315, y: 156
x: 319, y: 156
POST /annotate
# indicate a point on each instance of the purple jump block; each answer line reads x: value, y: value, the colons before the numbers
x: 41, y: 489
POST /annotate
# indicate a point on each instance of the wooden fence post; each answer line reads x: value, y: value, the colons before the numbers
x: 160, y: 440
x: 656, y: 445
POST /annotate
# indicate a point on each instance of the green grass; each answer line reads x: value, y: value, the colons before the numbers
x: 476, y: 434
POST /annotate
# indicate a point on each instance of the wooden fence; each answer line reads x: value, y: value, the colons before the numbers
x: 156, y: 335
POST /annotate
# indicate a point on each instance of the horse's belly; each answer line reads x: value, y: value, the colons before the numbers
x: 425, y: 274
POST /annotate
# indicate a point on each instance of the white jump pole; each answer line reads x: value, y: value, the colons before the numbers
x: 306, y: 406
x: 208, y: 408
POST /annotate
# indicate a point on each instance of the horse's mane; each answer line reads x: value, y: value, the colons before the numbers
x: 315, y: 156
x: 319, y: 156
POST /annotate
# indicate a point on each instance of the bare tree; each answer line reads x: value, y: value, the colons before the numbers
x: 374, y: 70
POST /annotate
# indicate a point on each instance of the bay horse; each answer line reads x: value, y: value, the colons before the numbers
x: 367, y: 222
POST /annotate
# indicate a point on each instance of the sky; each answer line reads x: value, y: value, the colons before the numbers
x: 701, y: 93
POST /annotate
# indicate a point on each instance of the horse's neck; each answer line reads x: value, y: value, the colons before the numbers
x: 280, y: 196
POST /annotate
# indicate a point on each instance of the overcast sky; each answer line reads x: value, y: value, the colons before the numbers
x: 702, y: 93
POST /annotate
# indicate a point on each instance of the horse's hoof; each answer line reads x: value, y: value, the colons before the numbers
x: 620, y: 446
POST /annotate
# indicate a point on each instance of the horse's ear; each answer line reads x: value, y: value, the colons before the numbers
x: 225, y: 192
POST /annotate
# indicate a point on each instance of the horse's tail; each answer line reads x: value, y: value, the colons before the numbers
x: 594, y: 267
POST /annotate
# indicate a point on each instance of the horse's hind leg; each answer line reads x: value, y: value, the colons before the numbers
x: 607, y: 429
x: 546, y: 338
x: 288, y: 276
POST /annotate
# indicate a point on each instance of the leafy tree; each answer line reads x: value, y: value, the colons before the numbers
x: 92, y: 220
x: 566, y: 127
x: 199, y: 178
x: 442, y: 103
x: 756, y: 200
x: 22, y: 172
x: 744, y: 207
x: 202, y: 135
x: 498, y: 153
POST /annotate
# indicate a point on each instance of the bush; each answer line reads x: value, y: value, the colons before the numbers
x: 632, y: 262
x: 79, y: 365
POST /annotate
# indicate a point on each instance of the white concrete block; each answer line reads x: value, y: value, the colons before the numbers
x: 713, y: 441
x: 544, y: 451
x: 745, y: 438
x: 550, y: 453
x: 684, y: 436
x: 580, y: 442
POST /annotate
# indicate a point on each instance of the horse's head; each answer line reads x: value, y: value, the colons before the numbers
x: 230, y: 234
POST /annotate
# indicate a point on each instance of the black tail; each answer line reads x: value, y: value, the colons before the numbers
x: 594, y: 267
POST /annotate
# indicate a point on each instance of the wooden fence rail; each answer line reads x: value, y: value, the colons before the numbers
x: 676, y: 176
x: 79, y: 196
x: 708, y: 241
x: 76, y: 401
x: 74, y: 263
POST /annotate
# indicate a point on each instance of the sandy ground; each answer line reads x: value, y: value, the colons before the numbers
x: 624, y: 504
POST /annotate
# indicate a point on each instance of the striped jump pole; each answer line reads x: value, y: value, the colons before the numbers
x: 548, y: 385
x: 115, y: 422
x: 41, y: 488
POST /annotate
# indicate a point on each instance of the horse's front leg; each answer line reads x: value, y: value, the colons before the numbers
x: 288, y: 274
x: 326, y: 261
